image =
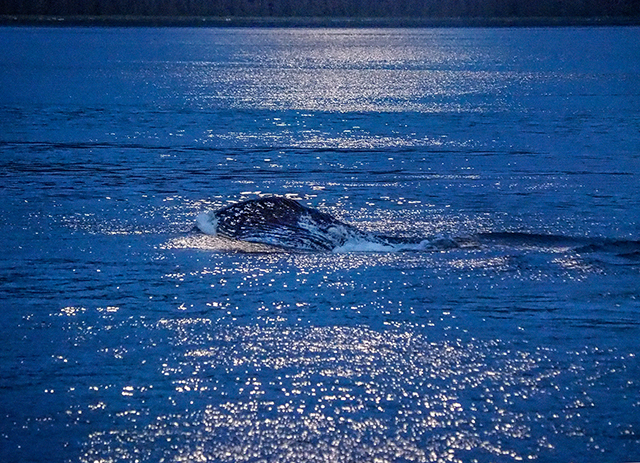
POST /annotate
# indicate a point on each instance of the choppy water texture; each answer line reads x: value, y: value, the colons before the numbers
x: 127, y: 336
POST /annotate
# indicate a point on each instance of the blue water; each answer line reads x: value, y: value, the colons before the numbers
x: 128, y: 336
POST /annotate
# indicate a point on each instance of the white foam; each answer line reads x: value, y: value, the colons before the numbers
x: 363, y: 245
x: 207, y: 223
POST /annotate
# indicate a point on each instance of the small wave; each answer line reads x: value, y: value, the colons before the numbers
x: 612, y: 246
x: 560, y: 243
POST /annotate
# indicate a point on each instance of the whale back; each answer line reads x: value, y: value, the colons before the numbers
x: 281, y: 222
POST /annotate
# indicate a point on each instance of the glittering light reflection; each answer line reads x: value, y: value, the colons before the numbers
x: 345, y: 71
x: 338, y: 394
x: 216, y: 243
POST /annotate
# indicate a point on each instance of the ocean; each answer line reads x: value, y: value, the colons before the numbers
x: 130, y: 336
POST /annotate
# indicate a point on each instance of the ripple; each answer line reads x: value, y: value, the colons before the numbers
x: 338, y: 394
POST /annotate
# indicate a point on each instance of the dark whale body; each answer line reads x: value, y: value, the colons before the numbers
x: 286, y: 223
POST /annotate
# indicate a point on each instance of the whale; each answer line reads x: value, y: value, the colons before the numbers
x: 287, y: 224
x: 281, y: 223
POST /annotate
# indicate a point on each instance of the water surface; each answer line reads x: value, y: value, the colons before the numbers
x: 128, y: 336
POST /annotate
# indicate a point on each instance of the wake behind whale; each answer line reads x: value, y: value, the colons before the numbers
x: 283, y: 223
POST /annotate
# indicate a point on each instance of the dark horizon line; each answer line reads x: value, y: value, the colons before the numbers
x: 339, y: 22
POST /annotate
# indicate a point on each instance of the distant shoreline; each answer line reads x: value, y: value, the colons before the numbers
x: 200, y: 21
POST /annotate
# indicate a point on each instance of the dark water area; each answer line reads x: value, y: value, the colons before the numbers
x: 129, y: 336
